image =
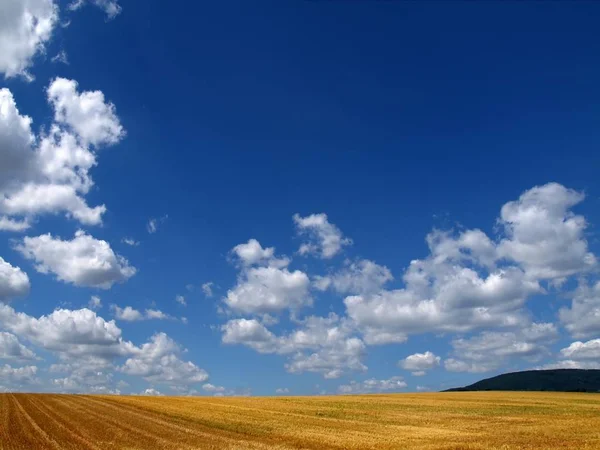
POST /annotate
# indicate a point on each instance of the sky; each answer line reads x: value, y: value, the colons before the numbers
x: 296, y: 198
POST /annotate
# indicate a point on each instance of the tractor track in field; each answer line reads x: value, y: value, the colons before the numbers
x: 442, y: 421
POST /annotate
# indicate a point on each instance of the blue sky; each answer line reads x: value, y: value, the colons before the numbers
x: 296, y: 197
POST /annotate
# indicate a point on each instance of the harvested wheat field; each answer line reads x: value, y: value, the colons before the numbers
x: 460, y: 420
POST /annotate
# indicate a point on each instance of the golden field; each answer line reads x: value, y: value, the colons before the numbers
x: 459, y: 420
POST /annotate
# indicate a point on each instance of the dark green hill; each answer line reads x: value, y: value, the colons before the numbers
x: 564, y: 380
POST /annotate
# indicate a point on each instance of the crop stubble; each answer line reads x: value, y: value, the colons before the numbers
x: 448, y: 421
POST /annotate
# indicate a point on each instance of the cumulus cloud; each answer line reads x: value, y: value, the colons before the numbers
x: 110, y: 7
x: 543, y: 235
x: 251, y: 333
x: 61, y: 57
x: 252, y: 252
x: 151, y: 392
x: 11, y: 348
x: 72, y: 332
x: 95, y: 302
x: 582, y: 319
x: 129, y: 314
x: 130, y: 241
x: 154, y: 223
x: 25, y: 29
x: 268, y: 288
x: 419, y: 363
x: 457, y: 365
x: 18, y: 376
x: 360, y: 277
x: 324, y: 345
x: 50, y: 173
x: 282, y: 391
x: 589, y: 350
x: 89, y: 347
x: 207, y: 289
x: 570, y: 364
x: 88, y: 114
x: 181, y: 300
x: 85, y: 374
x: 491, y: 349
x: 13, y: 281
x: 324, y: 238
x: 373, y: 385
x: 442, y: 297
x: 468, y: 281
x: 82, y: 261
x: 158, y: 362
x: 211, y: 388
x: 265, y: 290
x: 8, y: 224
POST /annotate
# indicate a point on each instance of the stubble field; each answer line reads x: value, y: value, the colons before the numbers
x: 461, y: 420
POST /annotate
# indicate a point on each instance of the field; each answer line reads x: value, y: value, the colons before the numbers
x: 460, y: 420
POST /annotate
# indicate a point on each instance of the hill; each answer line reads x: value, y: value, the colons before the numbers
x: 563, y: 380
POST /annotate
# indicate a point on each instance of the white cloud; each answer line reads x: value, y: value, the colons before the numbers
x: 207, y: 289
x: 331, y: 360
x: 152, y: 226
x: 88, y: 114
x: 419, y: 363
x: 252, y: 252
x: 212, y: 388
x: 324, y: 345
x: 61, y: 57
x: 491, y: 349
x: 84, y: 374
x: 249, y: 332
x: 442, y: 297
x: 570, y: 364
x: 373, y: 385
x: 13, y: 281
x: 83, y: 261
x: 110, y: 7
x: 582, y: 319
x: 16, y: 138
x: 468, y: 282
x: 25, y: 29
x: 49, y: 173
x: 8, y: 224
x: 88, y: 348
x: 457, y: 365
x: 151, y: 392
x: 71, y: 333
x: 269, y: 287
x: 361, y: 277
x: 18, y: 375
x: 157, y: 314
x: 130, y: 241
x: 281, y: 391
x: 11, y: 348
x: 325, y: 239
x: 528, y: 342
x: 158, y: 362
x: 266, y: 290
x: 154, y: 223
x: 217, y: 391
x: 95, y: 303
x: 129, y: 314
x: 181, y: 300
x: 582, y: 350
x: 543, y: 235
